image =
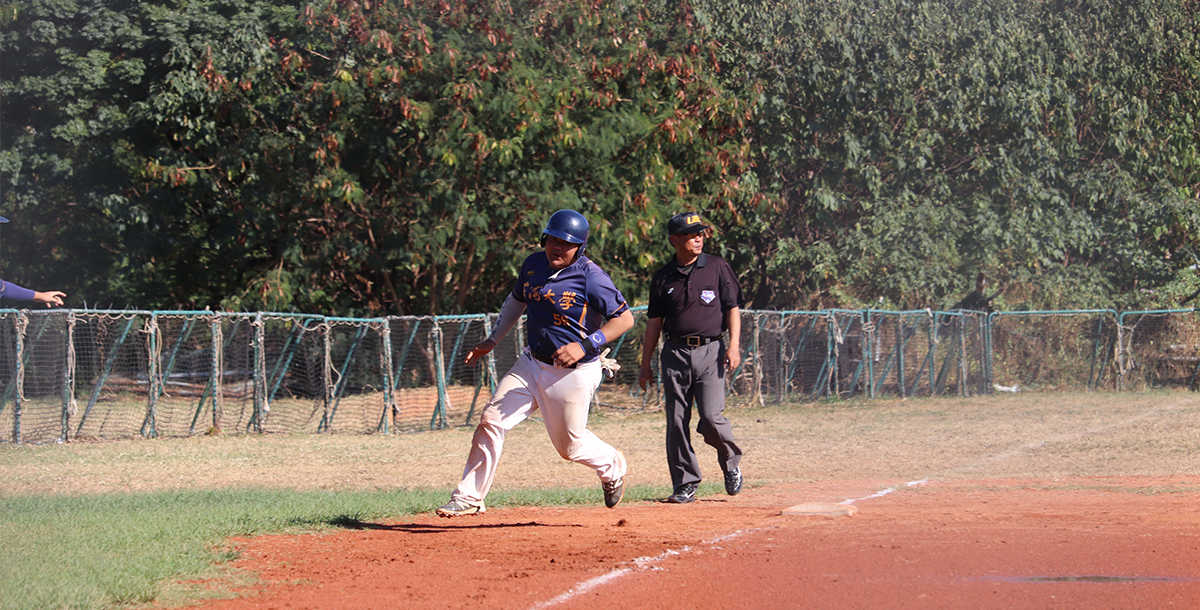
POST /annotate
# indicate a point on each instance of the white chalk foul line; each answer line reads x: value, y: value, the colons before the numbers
x: 639, y: 564
x: 651, y: 563
x: 883, y: 492
x: 583, y: 588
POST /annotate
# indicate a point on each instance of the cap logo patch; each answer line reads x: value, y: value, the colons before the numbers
x: 693, y: 219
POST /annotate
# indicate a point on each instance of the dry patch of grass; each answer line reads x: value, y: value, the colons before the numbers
x: 1023, y: 435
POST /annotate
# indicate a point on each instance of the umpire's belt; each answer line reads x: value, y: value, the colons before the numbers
x: 693, y: 341
x: 545, y: 359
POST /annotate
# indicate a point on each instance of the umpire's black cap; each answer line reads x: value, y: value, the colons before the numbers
x: 686, y: 224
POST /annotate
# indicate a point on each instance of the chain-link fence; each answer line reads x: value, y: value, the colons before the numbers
x: 94, y: 374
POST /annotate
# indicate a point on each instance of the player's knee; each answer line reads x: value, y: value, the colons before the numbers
x: 573, y: 451
x: 488, y: 429
x: 490, y: 418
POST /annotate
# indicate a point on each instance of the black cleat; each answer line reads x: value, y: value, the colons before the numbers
x: 613, y: 492
x: 733, y: 481
x: 683, y: 494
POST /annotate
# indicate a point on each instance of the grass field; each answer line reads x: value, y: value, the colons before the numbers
x: 98, y: 525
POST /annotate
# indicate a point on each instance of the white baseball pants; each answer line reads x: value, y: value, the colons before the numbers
x: 564, y: 397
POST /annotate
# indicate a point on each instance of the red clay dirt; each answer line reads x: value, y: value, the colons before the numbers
x: 1090, y: 543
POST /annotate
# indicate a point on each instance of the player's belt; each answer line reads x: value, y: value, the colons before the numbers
x: 545, y: 359
x: 693, y: 341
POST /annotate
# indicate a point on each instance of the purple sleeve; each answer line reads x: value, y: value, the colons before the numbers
x: 600, y: 286
x: 517, y: 291
x: 9, y: 290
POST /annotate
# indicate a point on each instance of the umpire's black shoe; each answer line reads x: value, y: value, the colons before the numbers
x: 733, y: 481
x: 683, y: 494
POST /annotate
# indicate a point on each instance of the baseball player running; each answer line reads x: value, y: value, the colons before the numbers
x: 573, y: 310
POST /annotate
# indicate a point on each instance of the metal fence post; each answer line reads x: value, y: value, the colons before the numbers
x: 19, y: 381
x: 326, y: 378
x: 218, y: 368
x: 1121, y: 352
x: 261, y: 406
x: 385, y: 362
x: 68, y: 408
x: 153, y: 372
x: 438, y: 420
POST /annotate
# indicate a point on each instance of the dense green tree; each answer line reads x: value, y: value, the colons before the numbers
x: 79, y: 81
x: 907, y: 145
x: 404, y: 156
x: 357, y: 157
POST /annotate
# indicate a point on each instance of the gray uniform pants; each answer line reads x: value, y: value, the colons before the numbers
x: 696, y: 374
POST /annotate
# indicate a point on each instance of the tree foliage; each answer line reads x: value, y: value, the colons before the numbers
x: 81, y: 81
x: 355, y: 157
x: 907, y: 145
x: 402, y: 158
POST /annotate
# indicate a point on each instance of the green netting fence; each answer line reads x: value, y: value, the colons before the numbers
x: 70, y: 374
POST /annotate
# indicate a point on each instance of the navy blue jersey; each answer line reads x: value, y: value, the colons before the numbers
x: 565, y: 306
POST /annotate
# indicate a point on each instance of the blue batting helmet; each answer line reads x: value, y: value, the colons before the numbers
x: 569, y: 226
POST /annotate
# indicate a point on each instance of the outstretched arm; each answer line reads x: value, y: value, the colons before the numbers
x: 510, y: 312
x: 9, y: 290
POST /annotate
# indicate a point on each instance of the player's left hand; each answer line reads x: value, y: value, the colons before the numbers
x: 610, y: 366
x: 568, y: 354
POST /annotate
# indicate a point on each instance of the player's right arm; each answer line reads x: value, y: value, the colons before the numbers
x: 510, y: 312
x: 11, y: 291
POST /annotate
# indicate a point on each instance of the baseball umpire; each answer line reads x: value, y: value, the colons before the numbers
x: 694, y: 299
x: 573, y: 309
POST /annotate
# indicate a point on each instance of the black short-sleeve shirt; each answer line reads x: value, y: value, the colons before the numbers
x: 694, y: 304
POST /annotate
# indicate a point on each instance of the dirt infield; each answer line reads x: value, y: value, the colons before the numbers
x: 1026, y: 501
x: 999, y: 543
